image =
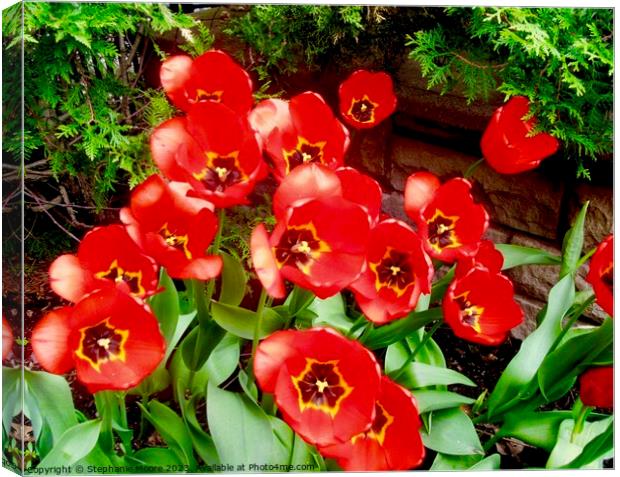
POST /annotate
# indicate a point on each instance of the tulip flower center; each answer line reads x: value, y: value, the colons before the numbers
x: 320, y: 386
x: 180, y: 242
x: 470, y: 314
x: 607, y: 277
x: 393, y: 271
x: 362, y: 110
x: 304, y: 153
x: 102, y: 343
x: 382, y: 421
x: 220, y: 171
x: 441, y: 231
x: 119, y: 275
x: 298, y: 247
x: 202, y: 95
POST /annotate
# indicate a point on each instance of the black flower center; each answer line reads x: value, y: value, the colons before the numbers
x: 221, y: 172
x: 304, y: 153
x: 441, y: 232
x: 363, y: 110
x: 321, y: 386
x: 394, y: 271
x: 470, y: 314
x: 116, y: 274
x: 101, y: 343
x: 175, y: 240
x: 297, y: 247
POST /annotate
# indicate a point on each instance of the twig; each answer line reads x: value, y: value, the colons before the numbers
x: 478, y: 65
x: 36, y: 198
x: 72, y: 214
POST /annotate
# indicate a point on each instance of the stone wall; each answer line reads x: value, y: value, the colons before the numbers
x: 441, y: 134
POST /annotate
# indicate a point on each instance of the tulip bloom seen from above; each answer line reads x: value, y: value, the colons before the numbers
x: 325, y: 385
x: 174, y: 229
x: 398, y: 272
x: 601, y: 274
x: 111, y: 339
x: 212, y: 76
x: 507, y: 144
x: 393, y: 442
x: 449, y: 222
x: 366, y: 98
x: 107, y: 256
x: 308, y: 133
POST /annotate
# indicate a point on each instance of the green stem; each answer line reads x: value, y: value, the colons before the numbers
x: 145, y: 402
x: 427, y: 337
x: 584, y: 412
x: 215, y: 249
x: 357, y: 324
x: 103, y: 402
x: 571, y: 321
x: 257, y: 328
x: 471, y: 169
x: 491, y: 442
x: 585, y: 258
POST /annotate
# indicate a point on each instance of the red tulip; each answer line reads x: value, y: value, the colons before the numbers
x: 419, y: 191
x: 507, y: 143
x: 111, y: 339
x: 214, y: 150
x: 213, y: 76
x: 321, y: 237
x: 106, y: 257
x: 480, y: 307
x: 596, y: 387
x: 309, y: 132
x: 487, y: 257
x: 174, y: 229
x: 601, y: 274
x: 366, y: 98
x: 392, y: 443
x: 325, y: 385
x: 398, y: 272
x: 7, y: 338
x: 449, y: 222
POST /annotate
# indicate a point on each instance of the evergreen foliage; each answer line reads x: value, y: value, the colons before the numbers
x: 88, y: 109
x: 560, y: 58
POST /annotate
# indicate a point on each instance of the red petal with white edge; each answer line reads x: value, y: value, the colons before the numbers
x: 174, y: 75
x: 166, y: 140
x: 141, y: 347
x: 419, y: 191
x: 269, y: 115
x: 271, y: 355
x: 265, y: 263
x: 308, y: 181
x: 200, y: 268
x: 50, y: 341
x: 69, y: 279
x: 393, y: 442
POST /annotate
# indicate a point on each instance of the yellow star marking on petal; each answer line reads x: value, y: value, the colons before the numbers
x: 302, y: 148
x: 472, y: 312
x: 442, y: 229
x: 304, y: 247
x: 201, y: 94
x: 378, y: 435
x: 365, y: 99
x: 322, y: 385
x: 174, y: 240
x: 122, y: 275
x: 120, y: 356
x: 395, y: 271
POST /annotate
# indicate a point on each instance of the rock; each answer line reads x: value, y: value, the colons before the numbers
x: 600, y: 217
x: 508, y: 198
x: 393, y: 204
x: 370, y: 148
x: 530, y: 310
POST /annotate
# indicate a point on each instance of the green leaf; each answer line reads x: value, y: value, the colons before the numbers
x: 242, y: 322
x: 289, y: 448
x: 539, y: 429
x: 157, y: 456
x: 599, y: 447
x: 234, y: 280
x: 11, y: 396
x: 155, y: 382
x: 172, y: 430
x: 331, y: 312
x: 491, y: 462
x: 454, y: 462
x: 165, y: 306
x: 382, y: 336
x: 180, y: 374
x: 203, y: 442
x: 419, y: 375
x: 208, y: 335
x: 562, y: 366
x: 573, y: 243
x: 240, y: 429
x: 568, y: 447
x: 224, y: 359
x: 53, y: 397
x: 430, y: 400
x: 75, y: 443
x: 516, y: 255
x: 523, y: 367
x: 299, y: 299
x: 452, y: 432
